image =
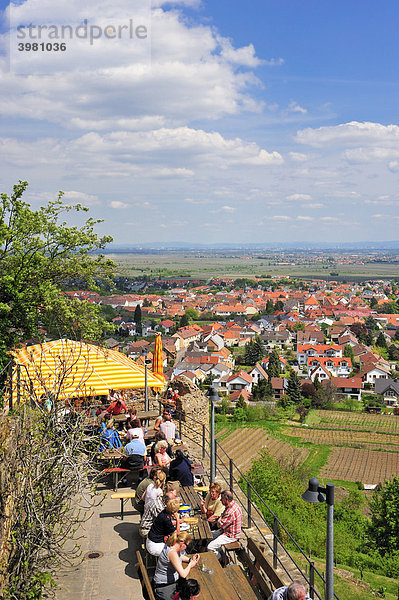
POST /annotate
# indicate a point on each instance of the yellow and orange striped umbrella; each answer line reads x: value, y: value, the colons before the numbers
x: 157, y: 359
x: 67, y: 369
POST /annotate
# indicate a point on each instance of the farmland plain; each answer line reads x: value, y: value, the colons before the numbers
x: 206, y: 265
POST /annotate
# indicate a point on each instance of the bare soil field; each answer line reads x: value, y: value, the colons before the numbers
x: 367, y: 466
x: 244, y: 445
x: 373, y: 440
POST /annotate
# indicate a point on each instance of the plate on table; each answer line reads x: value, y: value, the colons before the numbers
x: 184, y: 526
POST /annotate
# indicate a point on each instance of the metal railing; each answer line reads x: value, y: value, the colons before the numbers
x: 225, y: 467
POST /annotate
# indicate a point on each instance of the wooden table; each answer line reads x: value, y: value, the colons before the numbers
x: 216, y: 585
x: 147, y: 414
x: 201, y: 532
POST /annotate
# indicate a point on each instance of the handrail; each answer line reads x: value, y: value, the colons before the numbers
x: 277, y: 524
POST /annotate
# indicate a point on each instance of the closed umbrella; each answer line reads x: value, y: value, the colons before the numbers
x: 65, y: 368
x: 157, y: 359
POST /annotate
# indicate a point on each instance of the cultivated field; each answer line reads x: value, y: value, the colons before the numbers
x: 372, y: 440
x: 367, y: 466
x: 244, y: 445
x: 353, y: 421
x: 205, y: 265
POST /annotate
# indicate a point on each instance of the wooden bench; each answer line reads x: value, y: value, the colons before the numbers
x: 123, y: 496
x: 239, y: 581
x: 231, y: 549
x: 148, y: 592
x: 262, y: 573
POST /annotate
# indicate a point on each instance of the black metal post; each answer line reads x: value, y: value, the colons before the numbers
x: 275, y: 542
x: 231, y: 474
x: 311, y: 579
x: 249, y: 508
x: 179, y: 424
x: 203, y: 441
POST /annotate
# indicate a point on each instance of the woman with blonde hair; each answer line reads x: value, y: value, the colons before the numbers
x: 163, y: 526
x: 170, y: 565
x: 155, y: 489
x: 161, y: 456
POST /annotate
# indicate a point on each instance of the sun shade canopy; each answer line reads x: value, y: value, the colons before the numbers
x: 67, y: 369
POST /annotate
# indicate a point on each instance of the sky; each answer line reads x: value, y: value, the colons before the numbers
x: 206, y: 121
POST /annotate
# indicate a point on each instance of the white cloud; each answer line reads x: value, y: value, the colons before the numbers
x: 298, y: 197
x: 224, y: 209
x: 314, y: 205
x: 118, y: 204
x: 296, y: 108
x: 88, y: 199
x: 305, y: 218
x: 393, y: 166
x: 298, y: 156
x: 280, y: 218
x: 329, y: 219
x: 351, y: 133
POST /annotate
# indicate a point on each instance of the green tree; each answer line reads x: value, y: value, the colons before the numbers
x: 393, y: 352
x: 40, y: 257
x: 348, y: 352
x: 262, y: 390
x: 254, y: 351
x: 279, y: 306
x: 384, y: 508
x: 273, y: 367
x: 137, y: 319
x: 269, y: 307
x: 373, y: 302
x: 192, y: 314
x: 294, y: 391
x: 184, y: 320
x: 381, y: 341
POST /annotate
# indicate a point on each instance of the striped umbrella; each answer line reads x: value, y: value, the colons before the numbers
x: 66, y: 369
x: 157, y: 359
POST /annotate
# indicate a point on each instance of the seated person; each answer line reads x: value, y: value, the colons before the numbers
x: 160, y: 419
x: 132, y: 416
x: 135, y: 429
x: 180, y: 470
x: 155, y: 488
x: 164, y: 524
x: 162, y: 459
x: 153, y: 510
x: 117, y: 407
x: 170, y: 570
x: 168, y: 427
x: 109, y: 437
x: 137, y: 501
x: 212, y: 506
x: 187, y: 589
x: 135, y: 453
x: 158, y: 437
x: 228, y: 525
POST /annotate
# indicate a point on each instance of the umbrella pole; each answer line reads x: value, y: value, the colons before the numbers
x: 146, y: 388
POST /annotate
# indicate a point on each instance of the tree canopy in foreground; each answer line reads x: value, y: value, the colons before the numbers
x: 40, y: 256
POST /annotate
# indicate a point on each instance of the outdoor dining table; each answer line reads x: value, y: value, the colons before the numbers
x: 200, y: 530
x: 214, y: 582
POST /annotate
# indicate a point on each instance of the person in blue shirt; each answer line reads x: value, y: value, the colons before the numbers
x: 110, y: 438
x: 135, y: 446
x: 135, y: 453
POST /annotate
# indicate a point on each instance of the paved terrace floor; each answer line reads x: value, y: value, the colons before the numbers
x: 112, y: 576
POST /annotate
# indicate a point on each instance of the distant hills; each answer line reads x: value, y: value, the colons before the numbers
x: 272, y: 246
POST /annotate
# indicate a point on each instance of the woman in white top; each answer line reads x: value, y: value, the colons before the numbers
x: 135, y: 429
x: 154, y: 489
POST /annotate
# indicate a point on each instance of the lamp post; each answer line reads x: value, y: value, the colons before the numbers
x: 146, y: 363
x: 315, y: 493
x: 213, y: 396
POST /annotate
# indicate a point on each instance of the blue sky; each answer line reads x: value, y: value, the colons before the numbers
x: 232, y: 122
